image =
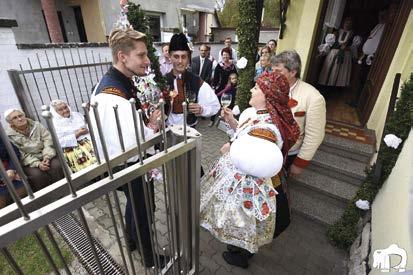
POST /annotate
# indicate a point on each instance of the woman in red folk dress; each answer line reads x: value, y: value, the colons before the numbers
x: 243, y: 202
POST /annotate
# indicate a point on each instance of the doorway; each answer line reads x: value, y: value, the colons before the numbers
x: 350, y: 88
x: 79, y: 23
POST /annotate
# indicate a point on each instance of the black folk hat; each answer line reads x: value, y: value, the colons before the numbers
x: 179, y: 42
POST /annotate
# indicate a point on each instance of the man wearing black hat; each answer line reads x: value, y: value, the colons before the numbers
x: 189, y: 86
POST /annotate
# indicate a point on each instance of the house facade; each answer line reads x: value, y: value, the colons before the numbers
x: 305, y: 31
x: 60, y: 21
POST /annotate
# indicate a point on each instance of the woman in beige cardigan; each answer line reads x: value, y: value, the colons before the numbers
x: 34, y: 142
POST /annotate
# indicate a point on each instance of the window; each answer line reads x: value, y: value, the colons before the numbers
x: 154, y: 26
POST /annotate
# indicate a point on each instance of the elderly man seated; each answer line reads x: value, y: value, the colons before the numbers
x: 34, y: 142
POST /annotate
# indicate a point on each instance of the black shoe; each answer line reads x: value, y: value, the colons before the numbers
x: 233, y: 249
x: 235, y: 258
x: 131, y: 245
x: 163, y: 259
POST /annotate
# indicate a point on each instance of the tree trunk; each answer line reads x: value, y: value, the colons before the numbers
x: 250, y: 12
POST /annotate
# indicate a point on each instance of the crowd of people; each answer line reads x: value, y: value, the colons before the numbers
x: 244, y: 198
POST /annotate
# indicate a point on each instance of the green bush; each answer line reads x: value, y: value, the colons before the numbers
x: 400, y: 123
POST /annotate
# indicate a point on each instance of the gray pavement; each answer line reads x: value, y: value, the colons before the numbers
x: 302, y: 249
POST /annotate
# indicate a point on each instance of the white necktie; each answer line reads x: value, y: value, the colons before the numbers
x: 200, y: 67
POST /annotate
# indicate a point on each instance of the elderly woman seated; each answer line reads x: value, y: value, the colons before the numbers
x: 11, y: 173
x: 73, y: 136
x: 38, y: 155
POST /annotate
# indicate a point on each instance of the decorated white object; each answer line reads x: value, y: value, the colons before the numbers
x: 242, y: 63
x: 235, y: 110
x: 256, y: 157
x: 392, y: 141
x: 363, y: 204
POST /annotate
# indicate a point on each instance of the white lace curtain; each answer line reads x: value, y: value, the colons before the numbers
x: 334, y: 14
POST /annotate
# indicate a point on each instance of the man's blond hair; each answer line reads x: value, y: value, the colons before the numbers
x: 124, y: 40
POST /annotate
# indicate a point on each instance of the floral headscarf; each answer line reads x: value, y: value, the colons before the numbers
x: 276, y: 89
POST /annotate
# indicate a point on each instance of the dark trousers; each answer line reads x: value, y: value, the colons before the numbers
x: 39, y: 179
x: 364, y: 72
x: 289, y: 161
x: 144, y: 224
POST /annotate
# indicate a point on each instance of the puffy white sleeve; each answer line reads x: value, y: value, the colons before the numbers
x: 256, y: 156
x: 208, y: 100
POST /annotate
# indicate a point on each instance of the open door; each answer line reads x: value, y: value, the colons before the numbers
x: 341, y: 104
x: 384, y: 55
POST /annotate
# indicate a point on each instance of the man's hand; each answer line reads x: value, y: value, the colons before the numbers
x: 43, y: 167
x: 82, y: 131
x: 295, y: 170
x: 11, y: 174
x: 153, y: 118
x: 46, y: 161
x: 195, y: 108
x: 225, y: 148
x: 227, y: 115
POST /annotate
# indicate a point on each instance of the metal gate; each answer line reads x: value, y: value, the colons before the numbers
x: 68, y: 74
x: 60, y: 204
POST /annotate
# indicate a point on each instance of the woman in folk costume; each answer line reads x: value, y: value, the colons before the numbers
x: 245, y: 205
x: 336, y: 71
x: 73, y: 136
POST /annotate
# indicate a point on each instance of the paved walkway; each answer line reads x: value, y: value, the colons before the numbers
x: 302, y: 249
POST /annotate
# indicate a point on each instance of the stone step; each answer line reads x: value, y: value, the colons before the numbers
x: 333, y: 188
x: 319, y: 208
x: 338, y: 167
x: 347, y: 148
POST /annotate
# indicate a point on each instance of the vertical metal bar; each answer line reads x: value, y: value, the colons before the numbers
x: 20, y: 92
x: 185, y: 114
x: 16, y: 161
x: 168, y: 218
x: 175, y: 211
x: 117, y: 204
x: 112, y: 216
x: 89, y: 237
x: 13, y: 192
x: 44, y: 78
x: 54, y: 81
x: 35, y: 81
x: 68, y: 174
x: 83, y: 73
x: 61, y: 78
x: 11, y: 261
x: 122, y: 144
x: 91, y: 131
x: 182, y: 199
x: 94, y: 62
x: 46, y: 252
x: 195, y: 176
x: 70, y: 78
x: 148, y: 195
x: 77, y: 78
x: 100, y: 60
x: 94, y: 106
x: 163, y: 126
x: 90, y: 74
x: 28, y: 91
x: 56, y: 247
x: 145, y: 191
